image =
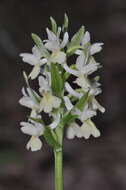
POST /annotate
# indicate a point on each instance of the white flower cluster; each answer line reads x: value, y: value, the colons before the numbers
x: 67, y: 102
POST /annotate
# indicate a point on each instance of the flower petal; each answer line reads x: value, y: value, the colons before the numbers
x: 56, y: 121
x: 70, y: 133
x: 73, y: 130
x: 96, y: 105
x: 35, y: 72
x: 28, y: 129
x: 72, y: 91
x: 80, y: 62
x: 29, y: 58
x: 56, y: 102
x: 69, y: 70
x: 24, y: 92
x: 51, y: 35
x: 43, y: 61
x: 86, y: 38
x: 88, y: 128
x: 68, y: 103
x: 83, y: 82
x: 36, y: 52
x: 95, y: 48
x: 27, y: 102
x: 34, y: 144
x: 65, y: 40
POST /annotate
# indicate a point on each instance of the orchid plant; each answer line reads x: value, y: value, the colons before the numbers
x: 66, y: 92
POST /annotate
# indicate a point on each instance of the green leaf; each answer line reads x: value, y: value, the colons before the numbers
x: 50, y: 137
x: 54, y: 25
x: 76, y: 39
x: 72, y: 49
x: 40, y: 45
x: 56, y: 80
x: 68, y: 118
x: 36, y: 120
x: 66, y: 22
x: 82, y: 102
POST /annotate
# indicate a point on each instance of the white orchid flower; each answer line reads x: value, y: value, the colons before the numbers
x: 82, y: 67
x: 73, y: 131
x: 83, y: 82
x: 48, y: 101
x: 88, y: 128
x: 83, y: 70
x: 93, y: 49
x: 54, y: 45
x: 28, y: 100
x: 35, y: 59
x: 85, y: 114
x: 95, y: 90
x: 35, y: 130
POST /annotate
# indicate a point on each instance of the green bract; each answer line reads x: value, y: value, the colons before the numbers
x: 56, y: 80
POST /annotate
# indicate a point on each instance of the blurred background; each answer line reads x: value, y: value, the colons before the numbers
x: 89, y: 165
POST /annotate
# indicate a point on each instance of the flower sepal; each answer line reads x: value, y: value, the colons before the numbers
x: 76, y: 39
x: 40, y: 45
x: 54, y: 25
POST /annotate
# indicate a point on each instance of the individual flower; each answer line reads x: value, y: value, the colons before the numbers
x: 55, y: 45
x: 95, y: 87
x: 85, y: 114
x: 73, y: 131
x: 35, y: 59
x: 88, y: 128
x: 35, y: 130
x: 92, y: 48
x: 48, y: 101
x: 83, y: 69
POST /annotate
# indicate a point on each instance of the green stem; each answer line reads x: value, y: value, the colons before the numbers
x: 58, y: 155
x: 58, y: 170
